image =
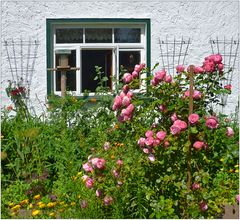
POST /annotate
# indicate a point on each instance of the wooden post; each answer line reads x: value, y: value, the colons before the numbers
x: 191, y: 90
x: 63, y: 61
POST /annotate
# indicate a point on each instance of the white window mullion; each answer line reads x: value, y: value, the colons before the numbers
x: 78, y: 72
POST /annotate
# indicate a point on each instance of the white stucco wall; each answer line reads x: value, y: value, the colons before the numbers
x: 200, y: 20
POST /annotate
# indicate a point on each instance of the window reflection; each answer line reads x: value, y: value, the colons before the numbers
x: 127, y: 35
x: 98, y: 35
x: 69, y: 35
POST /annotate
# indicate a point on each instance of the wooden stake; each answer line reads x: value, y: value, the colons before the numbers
x: 191, y: 90
x: 63, y: 61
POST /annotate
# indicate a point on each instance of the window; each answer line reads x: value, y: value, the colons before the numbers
x: 113, y: 44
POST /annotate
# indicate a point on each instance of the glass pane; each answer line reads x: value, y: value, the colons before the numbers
x: 90, y: 59
x: 69, y: 35
x: 127, y: 35
x: 71, y: 75
x: 98, y: 35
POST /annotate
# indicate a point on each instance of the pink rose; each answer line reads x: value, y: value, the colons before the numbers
x: 237, y: 198
x: 117, y: 102
x: 127, y: 78
x: 84, y: 204
x: 126, y: 101
x: 162, y: 108
x: 99, y: 163
x: 135, y: 74
x: 161, y: 135
x: 141, y: 142
x: 198, y: 145
x: 119, y: 162
x: 151, y: 157
x: 149, y: 141
x: 107, y: 200
x: 99, y: 192
x: 146, y: 150
x: 154, y: 82
x: 122, y: 94
x: 156, y: 142
x: 208, y: 66
x: 87, y: 167
x: 174, y: 117
x: 159, y: 76
x: 129, y: 94
x: 203, y: 206
x: 125, y: 89
x: 149, y: 133
x: 84, y: 178
x: 106, y: 146
x: 193, y: 118
x: 175, y: 130
x: 180, y: 68
x: 168, y: 79
x: 195, y: 186
x: 127, y: 117
x: 198, y: 69
x: 197, y: 95
x: 89, y: 183
x: 217, y: 59
x: 115, y: 173
x: 138, y: 68
x: 166, y: 144
x: 230, y: 132
x: 220, y: 67
x: 228, y: 87
x: 130, y: 109
x: 181, y: 124
x: 212, y: 122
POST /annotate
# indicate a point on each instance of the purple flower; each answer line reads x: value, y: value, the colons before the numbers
x: 84, y: 204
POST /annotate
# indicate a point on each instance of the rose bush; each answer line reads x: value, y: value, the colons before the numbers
x: 134, y: 155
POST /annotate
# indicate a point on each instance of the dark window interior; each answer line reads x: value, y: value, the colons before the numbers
x: 90, y: 59
x: 71, y: 75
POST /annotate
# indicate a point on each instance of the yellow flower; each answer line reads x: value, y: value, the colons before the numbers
x: 11, y: 204
x: 51, y: 204
x: 236, y: 171
x: 3, y: 155
x: 221, y: 159
x: 30, y: 206
x: 24, y: 202
x: 231, y: 170
x: 13, y: 214
x: 42, y: 205
x: 237, y: 165
x: 61, y: 210
x: 73, y: 203
x: 116, y: 126
x: 37, y: 197
x: 74, y: 178
x: 112, y: 157
x: 78, y: 196
x: 52, y: 214
x: 35, y: 212
x: 79, y: 174
x: 61, y: 203
x: 16, y: 207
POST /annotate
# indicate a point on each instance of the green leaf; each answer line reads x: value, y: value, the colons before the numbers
x: 104, y: 79
x: 96, y: 78
x: 194, y: 130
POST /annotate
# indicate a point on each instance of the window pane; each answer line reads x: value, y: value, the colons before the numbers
x: 71, y: 75
x: 69, y: 35
x: 90, y: 59
x: 127, y: 35
x: 98, y: 35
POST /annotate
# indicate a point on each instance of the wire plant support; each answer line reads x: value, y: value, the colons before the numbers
x: 173, y: 52
x: 21, y: 55
x: 228, y: 48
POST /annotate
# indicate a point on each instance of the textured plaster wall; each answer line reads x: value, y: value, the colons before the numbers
x: 199, y: 20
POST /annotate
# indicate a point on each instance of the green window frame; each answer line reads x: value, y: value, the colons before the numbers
x: 50, y: 23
